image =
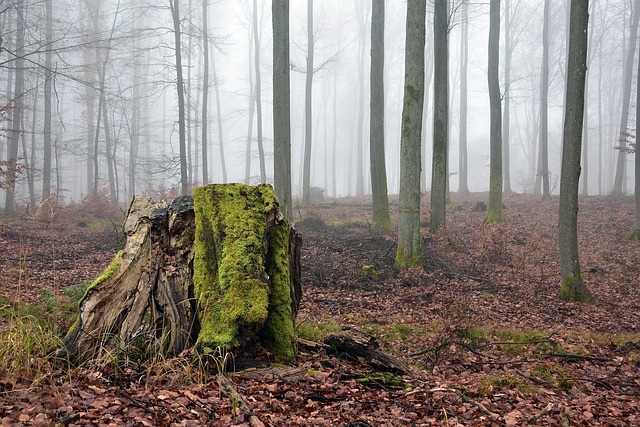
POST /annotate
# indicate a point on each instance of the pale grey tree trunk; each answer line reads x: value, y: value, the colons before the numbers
x: 16, y: 120
x: 428, y: 75
x: 409, y: 252
x: 381, y: 216
x: 494, y: 207
x: 362, y: 18
x: 205, y: 93
x: 573, y: 287
x: 308, y: 105
x: 281, y: 106
x: 185, y: 185
x: 635, y: 232
x: 216, y: 87
x: 252, y: 106
x: 584, y: 176
x: 440, y: 115
x: 256, y: 39
x: 626, y: 98
x: 48, y: 78
x: 542, y: 176
x: 506, y: 120
x: 463, y: 167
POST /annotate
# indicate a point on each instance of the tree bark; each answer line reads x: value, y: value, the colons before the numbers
x: 440, y: 115
x: 542, y: 176
x: 281, y: 106
x: 258, y: 93
x: 205, y: 93
x: 381, y: 216
x: 219, y: 269
x: 308, y: 105
x: 409, y: 252
x: 635, y: 232
x: 573, y: 287
x: 184, y: 179
x: 494, y: 208
x: 463, y: 166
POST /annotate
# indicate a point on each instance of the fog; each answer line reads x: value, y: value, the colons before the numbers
x: 125, y: 50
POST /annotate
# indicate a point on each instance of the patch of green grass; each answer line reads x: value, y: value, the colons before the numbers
x: 523, y: 341
x: 474, y: 336
x: 555, y: 374
x: 315, y: 331
x: 510, y: 382
x: 346, y: 223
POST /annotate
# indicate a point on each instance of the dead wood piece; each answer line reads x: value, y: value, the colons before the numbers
x: 467, y: 399
x: 360, y: 345
x: 541, y: 414
x: 227, y: 387
x: 185, y: 266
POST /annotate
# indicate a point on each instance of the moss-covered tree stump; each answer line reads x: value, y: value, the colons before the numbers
x: 220, y: 269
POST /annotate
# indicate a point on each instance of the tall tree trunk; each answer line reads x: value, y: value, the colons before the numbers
x: 134, y: 133
x: 573, y: 287
x: 281, y: 106
x: 185, y: 185
x: 428, y: 74
x: 409, y: 252
x: 494, y: 208
x: 48, y: 77
x: 542, y: 176
x: 463, y: 160
x: 252, y: 106
x: 18, y: 93
x: 506, y: 121
x: 381, y: 216
x: 361, y: 104
x: 440, y: 115
x: 205, y: 93
x: 216, y: 86
x: 308, y: 105
x: 635, y: 232
x: 256, y: 39
x: 626, y: 98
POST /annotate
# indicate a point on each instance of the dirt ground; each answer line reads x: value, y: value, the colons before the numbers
x: 481, y: 328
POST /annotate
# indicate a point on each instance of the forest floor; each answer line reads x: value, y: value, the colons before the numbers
x: 481, y: 328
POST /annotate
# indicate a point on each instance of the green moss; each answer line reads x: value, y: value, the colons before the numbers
x: 635, y: 234
x: 574, y: 290
x: 279, y: 325
x: 403, y: 261
x: 369, y: 271
x: 237, y: 298
x: 230, y: 284
x: 383, y: 380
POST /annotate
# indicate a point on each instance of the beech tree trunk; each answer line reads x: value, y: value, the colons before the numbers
x: 220, y: 269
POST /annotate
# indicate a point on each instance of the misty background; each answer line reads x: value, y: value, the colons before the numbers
x: 113, y: 82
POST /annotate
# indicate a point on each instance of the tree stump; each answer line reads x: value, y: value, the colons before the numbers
x: 219, y: 270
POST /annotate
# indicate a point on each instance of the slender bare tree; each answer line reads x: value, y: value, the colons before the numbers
x: 573, y: 287
x: 409, y: 252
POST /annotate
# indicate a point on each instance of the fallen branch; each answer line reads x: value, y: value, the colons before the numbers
x: 466, y: 399
x: 227, y: 387
x: 541, y: 414
x: 579, y: 357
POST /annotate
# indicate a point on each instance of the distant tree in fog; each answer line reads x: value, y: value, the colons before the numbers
x: 626, y: 99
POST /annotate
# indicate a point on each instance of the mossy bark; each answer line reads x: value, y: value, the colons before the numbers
x: 220, y: 269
